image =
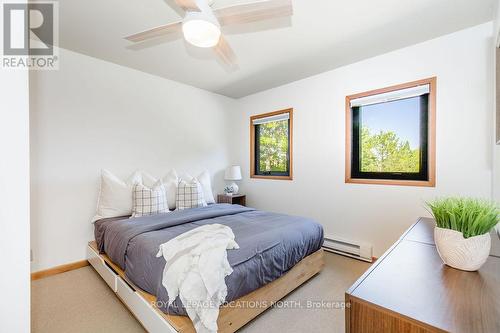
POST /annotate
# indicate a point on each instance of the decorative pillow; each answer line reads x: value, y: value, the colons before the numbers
x: 115, y: 196
x: 189, y: 195
x: 170, y: 181
x: 149, y: 201
x: 204, y: 179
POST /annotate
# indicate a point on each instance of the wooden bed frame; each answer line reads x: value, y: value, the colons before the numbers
x: 142, y: 304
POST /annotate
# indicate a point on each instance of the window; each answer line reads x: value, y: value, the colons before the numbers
x: 391, y: 135
x: 271, y: 145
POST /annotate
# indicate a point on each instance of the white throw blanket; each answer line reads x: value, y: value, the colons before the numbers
x: 195, y: 271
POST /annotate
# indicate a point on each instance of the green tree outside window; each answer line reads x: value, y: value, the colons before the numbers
x: 386, y: 152
x: 273, y: 146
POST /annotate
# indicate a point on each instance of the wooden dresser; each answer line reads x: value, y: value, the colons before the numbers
x: 409, y: 289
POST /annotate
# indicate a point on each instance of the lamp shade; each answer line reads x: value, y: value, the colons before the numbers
x: 233, y: 173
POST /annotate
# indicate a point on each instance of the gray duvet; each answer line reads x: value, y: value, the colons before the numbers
x: 270, y: 245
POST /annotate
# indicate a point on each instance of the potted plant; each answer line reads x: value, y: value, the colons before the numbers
x: 462, y: 233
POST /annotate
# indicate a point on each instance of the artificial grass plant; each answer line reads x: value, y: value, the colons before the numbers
x: 471, y: 217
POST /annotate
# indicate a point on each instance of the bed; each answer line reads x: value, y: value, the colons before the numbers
x: 277, y: 254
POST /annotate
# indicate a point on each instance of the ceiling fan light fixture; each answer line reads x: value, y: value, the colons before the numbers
x: 201, y: 30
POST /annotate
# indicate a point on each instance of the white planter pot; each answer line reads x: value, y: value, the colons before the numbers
x: 461, y: 253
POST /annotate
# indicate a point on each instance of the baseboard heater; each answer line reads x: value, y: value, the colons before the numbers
x: 356, y: 250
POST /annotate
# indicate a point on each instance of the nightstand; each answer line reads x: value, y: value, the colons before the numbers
x: 237, y: 199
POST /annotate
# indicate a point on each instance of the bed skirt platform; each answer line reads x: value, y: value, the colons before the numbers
x: 141, y: 304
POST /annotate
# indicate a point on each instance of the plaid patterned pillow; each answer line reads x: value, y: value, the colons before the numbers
x: 149, y: 201
x: 189, y: 195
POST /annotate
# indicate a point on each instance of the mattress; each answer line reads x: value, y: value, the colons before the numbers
x: 270, y: 245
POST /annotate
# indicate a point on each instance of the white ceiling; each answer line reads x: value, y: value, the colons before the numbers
x: 322, y: 35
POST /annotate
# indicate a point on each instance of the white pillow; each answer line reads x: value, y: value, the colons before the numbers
x: 115, y: 196
x: 170, y: 181
x: 149, y: 201
x: 206, y: 184
x: 148, y: 180
x: 189, y: 195
x: 204, y: 179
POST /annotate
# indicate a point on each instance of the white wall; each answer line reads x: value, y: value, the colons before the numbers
x: 496, y: 24
x: 91, y: 114
x: 373, y: 213
x: 14, y: 196
x: 496, y: 147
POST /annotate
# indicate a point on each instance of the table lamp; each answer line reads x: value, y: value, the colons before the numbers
x: 233, y: 173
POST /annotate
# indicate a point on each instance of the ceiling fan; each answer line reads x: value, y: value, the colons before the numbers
x: 201, y: 25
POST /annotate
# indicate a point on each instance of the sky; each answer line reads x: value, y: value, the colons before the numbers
x: 401, y: 116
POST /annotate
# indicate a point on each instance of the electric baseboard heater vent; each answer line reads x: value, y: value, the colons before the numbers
x: 356, y: 250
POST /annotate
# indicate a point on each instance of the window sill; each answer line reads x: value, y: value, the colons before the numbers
x: 426, y: 183
x: 272, y: 177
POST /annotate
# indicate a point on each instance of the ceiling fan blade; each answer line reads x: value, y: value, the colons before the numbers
x: 162, y: 30
x: 225, y: 52
x: 188, y: 5
x: 253, y: 12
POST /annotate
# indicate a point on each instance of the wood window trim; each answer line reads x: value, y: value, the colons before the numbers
x: 431, y: 182
x: 252, y: 144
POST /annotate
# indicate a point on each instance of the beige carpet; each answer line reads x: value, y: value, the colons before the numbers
x: 79, y: 301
